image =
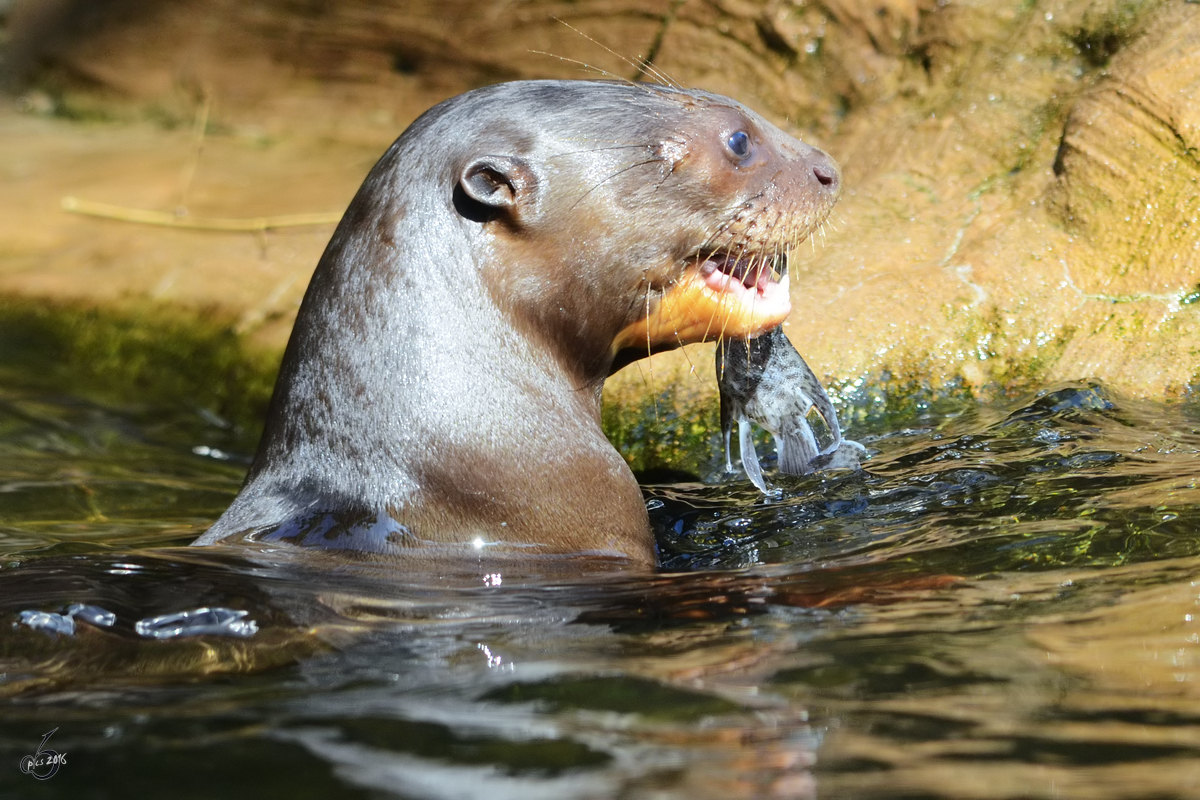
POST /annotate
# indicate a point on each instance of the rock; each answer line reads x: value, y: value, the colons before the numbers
x: 1021, y: 178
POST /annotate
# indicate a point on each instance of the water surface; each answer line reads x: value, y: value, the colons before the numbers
x: 1002, y: 606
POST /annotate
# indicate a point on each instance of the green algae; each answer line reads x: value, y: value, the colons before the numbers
x: 144, y: 355
x: 664, y: 430
x: 1107, y: 28
x: 677, y: 430
x: 167, y: 357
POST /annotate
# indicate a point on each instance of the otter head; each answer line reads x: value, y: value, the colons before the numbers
x: 632, y: 219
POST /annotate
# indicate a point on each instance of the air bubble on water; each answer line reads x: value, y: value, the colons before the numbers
x: 198, y: 622
x: 92, y: 615
x: 48, y: 622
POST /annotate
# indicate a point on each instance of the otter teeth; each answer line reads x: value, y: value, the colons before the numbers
x: 721, y: 272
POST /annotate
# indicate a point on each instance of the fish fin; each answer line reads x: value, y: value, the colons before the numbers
x: 824, y: 407
x: 749, y: 456
x: 797, y: 449
x: 848, y: 455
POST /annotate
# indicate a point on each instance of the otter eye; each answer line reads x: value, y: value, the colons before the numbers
x: 739, y: 144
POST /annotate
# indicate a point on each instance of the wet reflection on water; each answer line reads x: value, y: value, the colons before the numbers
x: 1001, y: 606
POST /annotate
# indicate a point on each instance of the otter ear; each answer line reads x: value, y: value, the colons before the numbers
x: 504, y: 184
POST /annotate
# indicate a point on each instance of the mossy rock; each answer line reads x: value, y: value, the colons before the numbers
x: 1021, y: 180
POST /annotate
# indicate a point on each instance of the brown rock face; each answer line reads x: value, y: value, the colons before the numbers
x: 1021, y: 178
x: 1038, y: 223
x: 1128, y: 188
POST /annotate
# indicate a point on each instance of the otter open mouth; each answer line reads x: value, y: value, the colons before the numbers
x: 718, y: 295
x: 749, y: 280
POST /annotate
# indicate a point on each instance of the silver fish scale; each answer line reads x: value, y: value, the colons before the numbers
x: 765, y: 381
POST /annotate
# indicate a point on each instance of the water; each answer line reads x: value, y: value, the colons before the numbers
x: 1003, y: 606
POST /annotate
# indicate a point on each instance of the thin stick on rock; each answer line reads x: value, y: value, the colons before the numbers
x: 161, y: 218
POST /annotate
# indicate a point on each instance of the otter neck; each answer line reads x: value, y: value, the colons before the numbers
x: 460, y: 416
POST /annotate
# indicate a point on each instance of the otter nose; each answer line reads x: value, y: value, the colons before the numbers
x: 828, y: 177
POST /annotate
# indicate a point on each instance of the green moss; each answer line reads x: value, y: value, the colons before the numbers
x: 890, y: 400
x: 671, y: 429
x: 1028, y: 375
x: 164, y: 117
x: 1010, y: 365
x: 679, y: 428
x: 156, y: 356
x: 1103, y: 33
x: 144, y: 355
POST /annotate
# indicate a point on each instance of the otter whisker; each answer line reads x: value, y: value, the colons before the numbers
x: 649, y: 344
x: 631, y: 146
x: 686, y: 357
x: 647, y: 63
x: 606, y: 73
x: 607, y: 49
x: 726, y: 298
x: 716, y: 310
x: 608, y: 178
x: 766, y: 259
x: 709, y: 243
x: 586, y: 66
x: 646, y: 66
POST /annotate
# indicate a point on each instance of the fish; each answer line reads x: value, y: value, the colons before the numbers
x: 765, y: 381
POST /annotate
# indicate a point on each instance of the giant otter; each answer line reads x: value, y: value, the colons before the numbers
x: 440, y: 394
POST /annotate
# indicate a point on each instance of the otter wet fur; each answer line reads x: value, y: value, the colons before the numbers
x: 439, y: 397
x: 765, y: 380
